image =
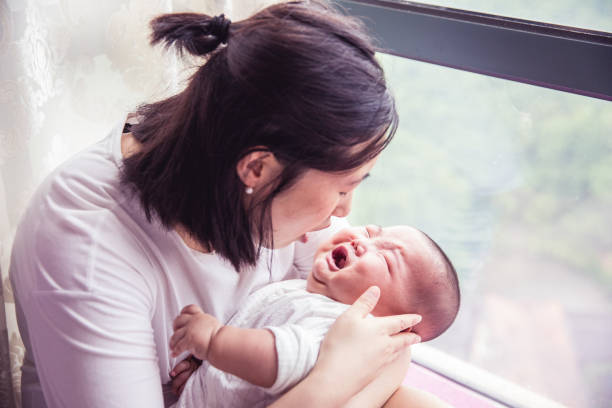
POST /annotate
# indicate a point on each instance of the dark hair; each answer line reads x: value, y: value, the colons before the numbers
x: 298, y: 79
x: 438, y: 296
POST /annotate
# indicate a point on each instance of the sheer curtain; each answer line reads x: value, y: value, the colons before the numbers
x: 70, y: 70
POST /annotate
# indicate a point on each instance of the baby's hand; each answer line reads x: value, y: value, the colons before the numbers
x: 193, y: 332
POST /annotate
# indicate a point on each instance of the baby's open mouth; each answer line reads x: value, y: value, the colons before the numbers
x: 339, y: 255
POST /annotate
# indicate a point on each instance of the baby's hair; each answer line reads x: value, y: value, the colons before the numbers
x: 441, y: 313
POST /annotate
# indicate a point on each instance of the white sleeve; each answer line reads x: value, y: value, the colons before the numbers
x: 304, y: 252
x: 94, y: 350
x: 88, y: 314
x: 297, y: 350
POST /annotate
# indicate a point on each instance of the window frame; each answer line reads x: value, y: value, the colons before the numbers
x: 552, y: 56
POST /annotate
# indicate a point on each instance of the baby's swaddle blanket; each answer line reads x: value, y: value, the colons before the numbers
x: 299, y: 321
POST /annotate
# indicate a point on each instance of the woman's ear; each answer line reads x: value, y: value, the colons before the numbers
x: 258, y: 168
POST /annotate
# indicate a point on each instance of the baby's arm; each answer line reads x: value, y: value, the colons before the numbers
x: 246, y: 353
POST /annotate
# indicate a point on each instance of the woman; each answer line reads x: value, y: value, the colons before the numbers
x: 200, y: 199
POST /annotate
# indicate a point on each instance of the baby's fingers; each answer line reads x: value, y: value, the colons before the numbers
x: 179, y: 381
x: 191, y: 309
x: 182, y: 344
x: 180, y: 321
x: 395, y: 324
x: 176, y: 338
x: 184, y: 365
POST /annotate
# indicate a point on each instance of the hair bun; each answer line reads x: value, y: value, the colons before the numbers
x: 219, y: 27
x: 199, y: 34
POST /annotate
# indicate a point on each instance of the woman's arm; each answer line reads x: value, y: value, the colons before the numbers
x: 87, y: 322
x: 383, y: 387
x: 338, y: 375
x: 410, y: 397
x: 91, y: 354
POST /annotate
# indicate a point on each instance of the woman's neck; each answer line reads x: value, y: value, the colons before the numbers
x: 190, y: 241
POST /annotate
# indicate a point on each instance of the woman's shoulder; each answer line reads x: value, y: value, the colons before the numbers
x: 86, y: 180
x: 76, y: 214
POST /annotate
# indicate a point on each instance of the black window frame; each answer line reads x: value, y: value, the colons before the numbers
x: 552, y: 56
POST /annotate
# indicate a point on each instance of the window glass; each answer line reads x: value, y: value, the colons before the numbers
x: 515, y: 184
x: 589, y: 14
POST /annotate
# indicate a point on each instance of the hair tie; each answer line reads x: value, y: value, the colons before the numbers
x: 219, y: 27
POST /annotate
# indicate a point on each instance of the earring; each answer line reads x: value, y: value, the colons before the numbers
x: 249, y: 190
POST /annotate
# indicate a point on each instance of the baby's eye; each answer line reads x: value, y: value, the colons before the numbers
x: 386, y: 261
x: 373, y: 230
x: 343, y: 193
x: 367, y: 232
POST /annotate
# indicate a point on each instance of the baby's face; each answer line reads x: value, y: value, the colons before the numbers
x: 354, y: 259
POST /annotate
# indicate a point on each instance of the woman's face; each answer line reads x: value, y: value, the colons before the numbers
x: 309, y: 204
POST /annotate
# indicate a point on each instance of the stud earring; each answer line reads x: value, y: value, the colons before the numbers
x: 249, y: 190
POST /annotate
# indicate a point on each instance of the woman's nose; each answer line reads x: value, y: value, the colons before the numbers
x: 343, y: 208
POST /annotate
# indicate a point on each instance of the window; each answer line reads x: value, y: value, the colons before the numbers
x: 514, y: 181
x: 593, y: 15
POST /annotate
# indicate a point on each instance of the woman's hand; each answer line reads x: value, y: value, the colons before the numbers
x: 181, y: 373
x: 357, y: 347
x: 353, y: 353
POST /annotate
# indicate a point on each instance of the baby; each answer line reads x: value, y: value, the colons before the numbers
x: 273, y: 341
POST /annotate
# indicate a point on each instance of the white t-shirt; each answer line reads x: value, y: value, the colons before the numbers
x: 299, y: 321
x: 97, y: 287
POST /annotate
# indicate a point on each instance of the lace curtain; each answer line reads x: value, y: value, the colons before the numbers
x: 70, y: 70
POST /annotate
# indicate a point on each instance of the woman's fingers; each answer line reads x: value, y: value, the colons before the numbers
x: 365, y: 303
x: 400, y: 341
x: 398, y: 323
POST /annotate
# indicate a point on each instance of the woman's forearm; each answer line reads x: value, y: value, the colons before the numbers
x: 354, y: 352
x: 384, y: 385
x: 408, y: 397
x: 316, y: 390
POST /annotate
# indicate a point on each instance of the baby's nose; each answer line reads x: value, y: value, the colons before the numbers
x: 358, y: 247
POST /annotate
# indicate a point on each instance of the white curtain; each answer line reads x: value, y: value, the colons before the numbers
x: 69, y: 70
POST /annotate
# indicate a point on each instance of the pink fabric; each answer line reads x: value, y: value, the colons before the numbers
x: 445, y: 389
